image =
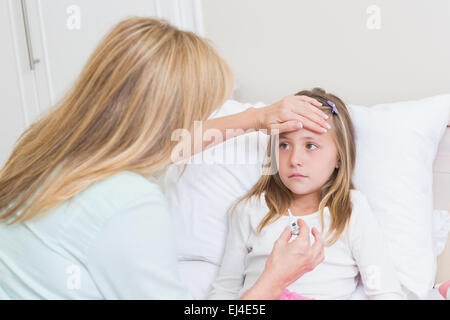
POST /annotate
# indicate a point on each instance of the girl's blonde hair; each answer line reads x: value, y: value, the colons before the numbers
x: 145, y: 80
x: 335, y: 193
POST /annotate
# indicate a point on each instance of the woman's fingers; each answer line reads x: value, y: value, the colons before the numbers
x: 321, y: 114
x: 312, y: 114
x: 304, y: 232
x: 285, y: 235
x: 313, y: 105
x: 315, y: 233
x: 299, y: 123
x: 315, y: 116
x: 300, y: 106
x: 315, y: 119
x: 318, y: 246
x: 318, y: 119
x: 313, y: 126
x: 310, y: 100
x: 287, y: 126
x: 283, y: 114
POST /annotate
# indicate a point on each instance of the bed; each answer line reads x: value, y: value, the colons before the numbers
x: 196, y: 241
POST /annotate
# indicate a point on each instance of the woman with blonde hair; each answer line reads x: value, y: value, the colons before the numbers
x: 79, y: 219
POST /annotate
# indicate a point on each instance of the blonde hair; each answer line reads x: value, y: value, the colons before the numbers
x: 144, y: 80
x: 335, y: 193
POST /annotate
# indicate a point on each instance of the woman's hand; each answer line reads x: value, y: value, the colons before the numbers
x: 283, y: 116
x: 287, y: 262
x: 290, y: 114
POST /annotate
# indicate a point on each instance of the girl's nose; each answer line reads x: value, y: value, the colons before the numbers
x: 297, y: 158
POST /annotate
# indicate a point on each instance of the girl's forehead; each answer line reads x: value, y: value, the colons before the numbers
x: 304, y: 134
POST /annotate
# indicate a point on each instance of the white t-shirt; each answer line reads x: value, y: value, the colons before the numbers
x: 360, y: 253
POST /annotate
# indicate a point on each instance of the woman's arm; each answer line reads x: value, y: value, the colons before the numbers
x: 289, y: 114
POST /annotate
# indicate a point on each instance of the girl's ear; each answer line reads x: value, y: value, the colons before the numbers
x: 338, y: 164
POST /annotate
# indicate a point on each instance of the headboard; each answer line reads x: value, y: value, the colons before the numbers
x: 441, y: 191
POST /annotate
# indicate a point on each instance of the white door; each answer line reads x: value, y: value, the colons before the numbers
x: 72, y: 29
x: 18, y: 94
x: 47, y: 42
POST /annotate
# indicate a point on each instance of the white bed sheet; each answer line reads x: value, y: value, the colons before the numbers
x: 199, y: 275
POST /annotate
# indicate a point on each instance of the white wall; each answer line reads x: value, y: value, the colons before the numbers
x: 277, y: 47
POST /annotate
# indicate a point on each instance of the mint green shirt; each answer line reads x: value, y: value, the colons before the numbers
x: 114, y: 240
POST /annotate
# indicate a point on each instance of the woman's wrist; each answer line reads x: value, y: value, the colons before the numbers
x: 265, y: 288
x: 256, y: 117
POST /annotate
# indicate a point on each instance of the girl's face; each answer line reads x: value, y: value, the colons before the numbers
x: 312, y: 155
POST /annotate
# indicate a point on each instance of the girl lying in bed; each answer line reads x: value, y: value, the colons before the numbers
x: 313, y: 180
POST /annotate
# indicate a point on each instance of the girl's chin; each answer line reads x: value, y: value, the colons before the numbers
x: 295, y: 189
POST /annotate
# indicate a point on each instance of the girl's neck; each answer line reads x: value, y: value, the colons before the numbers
x: 305, y: 204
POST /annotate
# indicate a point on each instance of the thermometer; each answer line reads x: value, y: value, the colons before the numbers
x: 295, y: 229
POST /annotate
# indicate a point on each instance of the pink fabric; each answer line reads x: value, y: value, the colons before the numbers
x: 288, y: 295
x: 444, y: 288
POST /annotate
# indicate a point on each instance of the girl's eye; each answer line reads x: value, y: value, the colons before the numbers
x: 284, y: 145
x: 311, y: 144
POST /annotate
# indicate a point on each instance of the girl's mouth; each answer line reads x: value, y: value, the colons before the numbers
x: 297, y: 176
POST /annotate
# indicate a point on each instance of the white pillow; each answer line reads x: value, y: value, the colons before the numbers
x: 396, y: 146
x: 441, y: 228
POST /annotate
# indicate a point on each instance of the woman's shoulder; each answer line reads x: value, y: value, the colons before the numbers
x: 112, y: 197
x: 121, y: 200
x: 120, y: 191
